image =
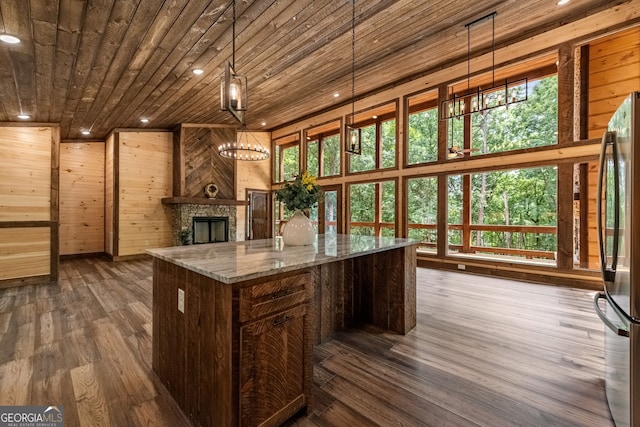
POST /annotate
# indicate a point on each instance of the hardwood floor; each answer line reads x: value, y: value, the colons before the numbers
x: 486, y: 352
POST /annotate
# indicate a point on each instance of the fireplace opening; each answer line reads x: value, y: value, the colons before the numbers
x: 211, y: 229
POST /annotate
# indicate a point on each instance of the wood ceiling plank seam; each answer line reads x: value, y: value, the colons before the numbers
x: 44, y: 16
x: 172, y: 78
x: 143, y: 88
x: 68, y: 50
x: 197, y: 108
x: 462, y: 58
x: 120, y: 18
x: 16, y: 19
x: 133, y: 81
x: 88, y: 54
x: 347, y: 71
x: 326, y: 44
x: 310, y: 22
x: 186, y: 87
x: 24, y: 67
x: 376, y: 72
x: 7, y: 89
x: 95, y: 25
x: 128, y: 41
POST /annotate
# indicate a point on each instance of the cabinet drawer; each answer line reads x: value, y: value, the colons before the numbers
x: 274, y: 296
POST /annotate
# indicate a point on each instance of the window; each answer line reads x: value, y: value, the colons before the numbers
x: 422, y: 135
x: 286, y: 158
x: 422, y: 212
x: 533, y: 123
x: 323, y: 149
x: 513, y: 213
x: 379, y: 134
x: 372, y: 209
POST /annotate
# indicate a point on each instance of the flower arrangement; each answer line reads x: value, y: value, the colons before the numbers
x: 301, y: 193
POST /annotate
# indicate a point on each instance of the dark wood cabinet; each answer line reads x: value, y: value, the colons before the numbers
x: 272, y: 367
x: 239, y: 355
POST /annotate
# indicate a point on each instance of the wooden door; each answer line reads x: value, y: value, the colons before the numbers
x: 259, y: 215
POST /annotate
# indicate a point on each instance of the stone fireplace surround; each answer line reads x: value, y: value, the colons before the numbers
x: 183, y: 213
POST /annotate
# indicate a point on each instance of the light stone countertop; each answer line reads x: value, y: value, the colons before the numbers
x: 234, y: 262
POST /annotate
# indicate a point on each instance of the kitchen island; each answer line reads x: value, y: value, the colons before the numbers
x: 234, y: 323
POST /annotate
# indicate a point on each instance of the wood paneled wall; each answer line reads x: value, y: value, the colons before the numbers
x: 251, y: 176
x: 197, y: 162
x: 614, y: 72
x: 82, y: 191
x: 28, y: 202
x: 144, y: 167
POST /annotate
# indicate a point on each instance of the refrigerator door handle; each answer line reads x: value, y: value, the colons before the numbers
x: 619, y: 331
x: 608, y: 272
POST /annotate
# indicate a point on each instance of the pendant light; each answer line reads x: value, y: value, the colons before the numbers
x: 245, y: 147
x: 480, y: 99
x: 233, y: 87
x: 353, y: 134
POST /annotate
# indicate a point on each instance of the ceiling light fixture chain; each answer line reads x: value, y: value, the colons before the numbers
x: 478, y: 100
x: 233, y: 98
x: 233, y: 87
x: 353, y: 134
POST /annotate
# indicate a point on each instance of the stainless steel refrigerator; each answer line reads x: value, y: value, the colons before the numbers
x: 619, y: 236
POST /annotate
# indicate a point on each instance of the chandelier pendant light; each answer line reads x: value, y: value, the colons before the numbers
x: 353, y: 134
x: 233, y: 87
x: 245, y: 147
x: 478, y: 100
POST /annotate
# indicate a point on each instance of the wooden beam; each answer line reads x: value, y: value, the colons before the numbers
x: 565, y: 216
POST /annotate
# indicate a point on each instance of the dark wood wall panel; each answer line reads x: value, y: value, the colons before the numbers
x: 203, y: 165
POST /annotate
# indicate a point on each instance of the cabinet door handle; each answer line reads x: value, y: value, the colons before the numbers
x: 280, y: 320
x: 280, y: 294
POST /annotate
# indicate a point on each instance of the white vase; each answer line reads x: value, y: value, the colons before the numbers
x: 298, y: 231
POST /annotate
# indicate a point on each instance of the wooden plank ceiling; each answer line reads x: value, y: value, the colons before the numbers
x: 105, y: 64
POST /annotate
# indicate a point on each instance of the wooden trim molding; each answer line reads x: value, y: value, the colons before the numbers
x: 55, y: 205
x: 202, y: 201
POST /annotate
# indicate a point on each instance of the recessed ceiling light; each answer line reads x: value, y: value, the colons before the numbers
x: 24, y: 116
x: 263, y: 123
x: 85, y: 132
x: 9, y: 39
x: 561, y: 2
x: 144, y: 120
x: 198, y: 71
x: 375, y: 117
x: 335, y: 95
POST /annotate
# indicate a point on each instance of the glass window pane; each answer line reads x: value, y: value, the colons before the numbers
x: 331, y: 155
x: 362, y: 202
x: 422, y: 211
x: 291, y: 159
x: 367, y: 160
x: 423, y: 137
x: 331, y: 212
x: 521, y: 197
x: 454, y: 214
x: 388, y: 142
x: 531, y: 123
x: 312, y: 157
x: 388, y: 202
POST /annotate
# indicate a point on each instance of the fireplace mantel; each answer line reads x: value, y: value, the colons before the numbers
x: 202, y: 201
